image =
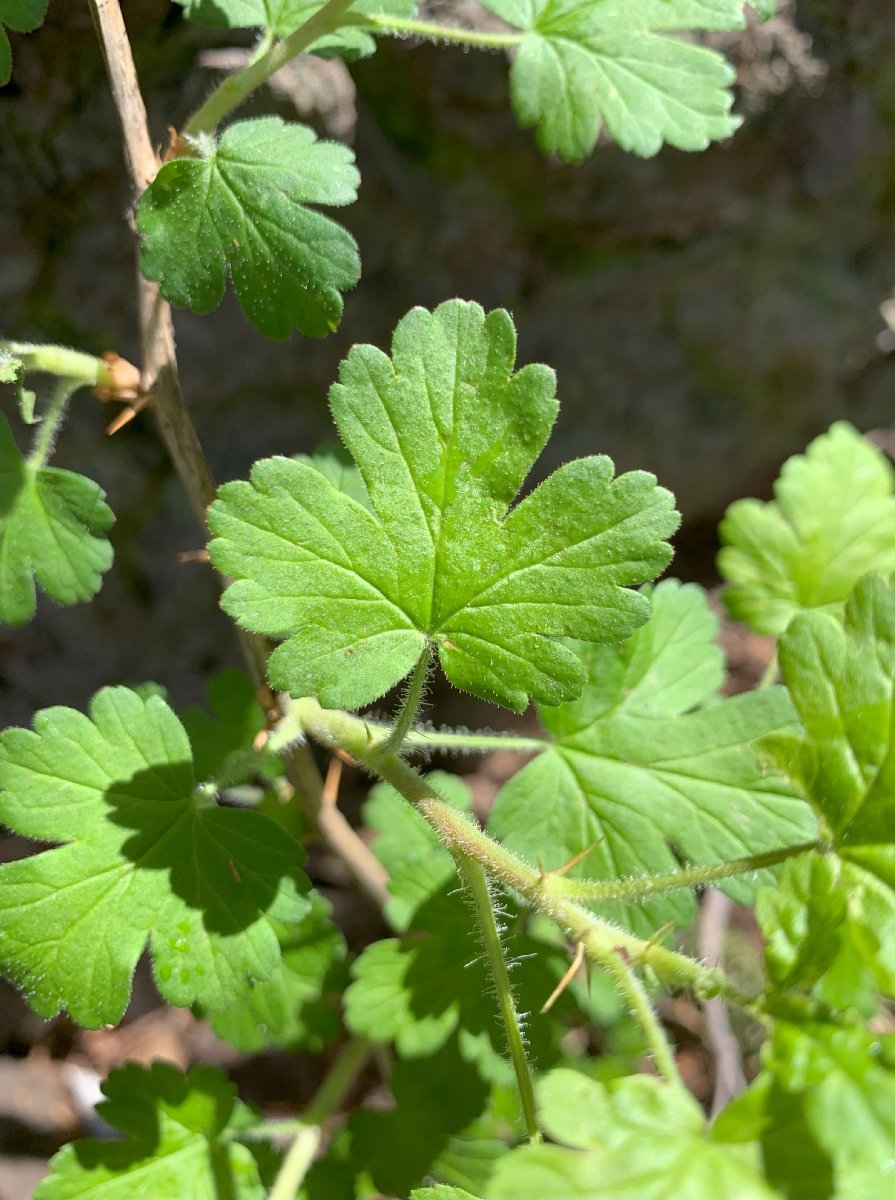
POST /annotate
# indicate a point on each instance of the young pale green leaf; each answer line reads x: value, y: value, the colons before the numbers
x: 583, y: 65
x: 635, y: 765
x: 21, y: 16
x: 823, y: 1109
x: 241, y: 207
x: 636, y: 1138
x: 53, y: 527
x: 833, y: 520
x: 841, y: 676
x: 175, y: 1142
x: 147, y: 857
x: 297, y: 1006
x: 281, y: 17
x: 443, y: 433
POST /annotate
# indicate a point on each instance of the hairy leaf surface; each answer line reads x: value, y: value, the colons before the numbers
x: 444, y: 433
x: 175, y: 1141
x: 53, y: 527
x: 832, y: 520
x: 241, y: 208
x: 584, y: 65
x: 146, y: 858
x: 643, y: 776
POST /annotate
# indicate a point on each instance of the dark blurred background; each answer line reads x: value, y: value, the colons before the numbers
x: 707, y: 314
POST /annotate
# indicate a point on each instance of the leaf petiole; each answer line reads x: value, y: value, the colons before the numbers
x: 238, y: 87
x: 476, y: 888
x: 587, y: 891
x: 410, y: 705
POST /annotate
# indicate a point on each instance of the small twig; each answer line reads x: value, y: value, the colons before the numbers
x: 160, y: 378
x: 330, y: 1095
x: 730, y: 1079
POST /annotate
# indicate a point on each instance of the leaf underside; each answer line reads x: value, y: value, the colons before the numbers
x: 583, y: 66
x: 443, y: 433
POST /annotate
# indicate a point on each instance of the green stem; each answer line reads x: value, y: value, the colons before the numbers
x: 84, y: 370
x: 50, y: 423
x: 442, y: 33
x: 602, y: 940
x: 587, y: 891
x: 476, y: 885
x: 642, y: 1011
x: 237, y: 87
x: 770, y: 674
x: 480, y: 743
x: 410, y: 705
x: 329, y: 1097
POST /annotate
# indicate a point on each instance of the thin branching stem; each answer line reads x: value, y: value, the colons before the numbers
x: 456, y: 35
x: 325, y: 1103
x: 236, y: 88
x: 160, y: 377
x: 587, y: 891
x: 641, y: 1010
x: 51, y: 422
x: 541, y: 891
x: 479, y: 894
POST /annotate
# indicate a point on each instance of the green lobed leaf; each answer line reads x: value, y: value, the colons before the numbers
x: 803, y: 921
x: 832, y: 520
x: 443, y: 434
x: 584, y: 65
x: 637, y: 1138
x: 241, y: 208
x: 235, y: 719
x: 146, y: 857
x: 841, y: 676
x: 297, y: 1006
x: 53, y: 527
x: 175, y: 1142
x: 636, y: 767
x: 823, y: 1109
x: 282, y: 17
x: 21, y: 16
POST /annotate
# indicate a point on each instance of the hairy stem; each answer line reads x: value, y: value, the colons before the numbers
x: 410, y: 705
x: 329, y: 1097
x: 84, y: 370
x: 238, y: 87
x: 602, y: 940
x: 453, y: 34
x: 477, y: 890
x: 51, y: 422
x: 160, y: 378
x: 642, y: 1011
x: 587, y: 891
